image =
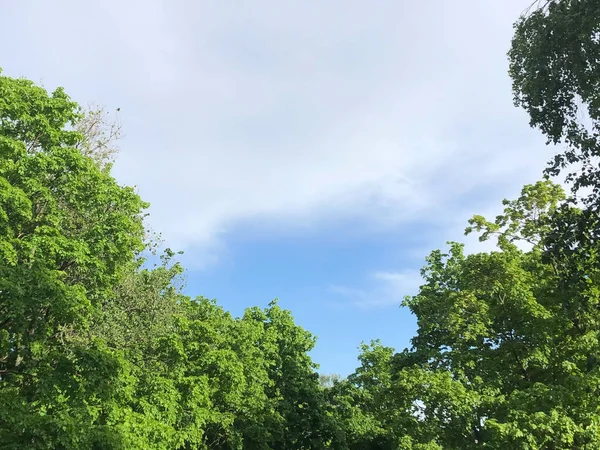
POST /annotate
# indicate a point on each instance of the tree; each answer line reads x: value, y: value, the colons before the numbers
x: 555, y: 57
x: 362, y: 405
x: 555, y: 67
x: 67, y: 233
x: 98, y: 349
x: 507, y: 346
x: 99, y: 135
x: 135, y: 322
x: 301, y: 419
x: 327, y: 381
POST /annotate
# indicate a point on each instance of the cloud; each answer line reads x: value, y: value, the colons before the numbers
x: 290, y: 114
x: 386, y: 289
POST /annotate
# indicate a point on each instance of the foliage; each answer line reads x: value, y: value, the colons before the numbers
x: 555, y: 67
x: 361, y: 404
x: 63, y: 247
x: 100, y: 349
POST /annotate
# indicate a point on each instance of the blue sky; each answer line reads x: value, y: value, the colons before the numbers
x: 307, y: 150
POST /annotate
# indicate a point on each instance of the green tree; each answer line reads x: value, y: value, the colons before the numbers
x: 301, y: 419
x: 99, y: 350
x: 362, y: 405
x: 135, y: 322
x: 507, y: 345
x: 555, y: 67
x: 67, y: 232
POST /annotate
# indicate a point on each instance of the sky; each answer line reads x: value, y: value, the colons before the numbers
x: 311, y: 151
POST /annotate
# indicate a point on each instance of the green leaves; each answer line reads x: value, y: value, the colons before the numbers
x: 524, y: 220
x: 555, y: 67
x: 506, y: 353
x: 67, y: 232
x: 99, y: 350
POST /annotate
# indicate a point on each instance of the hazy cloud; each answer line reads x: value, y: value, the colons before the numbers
x: 386, y: 289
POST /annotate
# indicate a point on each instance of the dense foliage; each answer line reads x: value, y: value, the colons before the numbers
x: 100, y: 348
x: 555, y: 67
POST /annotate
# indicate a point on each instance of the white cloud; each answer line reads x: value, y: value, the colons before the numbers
x: 386, y: 289
x: 290, y: 113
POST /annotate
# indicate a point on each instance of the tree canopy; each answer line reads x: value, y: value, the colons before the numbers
x: 555, y: 68
x: 101, y: 349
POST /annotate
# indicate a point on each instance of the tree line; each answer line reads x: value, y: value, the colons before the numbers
x: 101, y: 349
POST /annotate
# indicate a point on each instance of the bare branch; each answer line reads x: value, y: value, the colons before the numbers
x: 100, y: 132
